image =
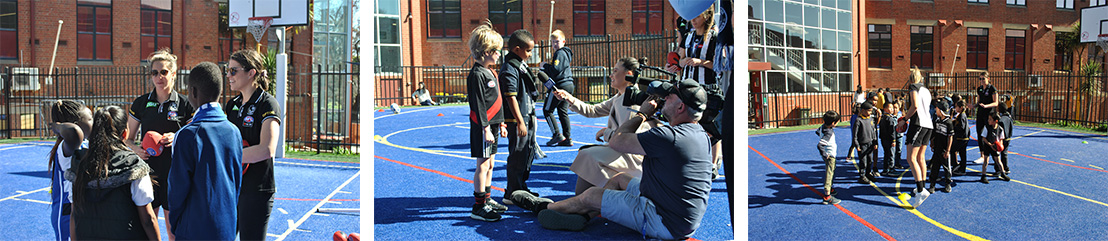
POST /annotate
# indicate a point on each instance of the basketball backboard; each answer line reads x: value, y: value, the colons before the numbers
x: 283, y: 12
x: 1094, y: 21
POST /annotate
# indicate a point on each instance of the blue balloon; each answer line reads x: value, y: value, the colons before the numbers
x: 689, y: 9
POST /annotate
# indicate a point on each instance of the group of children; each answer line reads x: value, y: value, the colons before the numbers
x: 951, y: 134
x: 502, y: 104
x: 103, y: 190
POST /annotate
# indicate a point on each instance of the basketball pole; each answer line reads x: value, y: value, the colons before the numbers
x: 282, y: 60
x: 57, y: 38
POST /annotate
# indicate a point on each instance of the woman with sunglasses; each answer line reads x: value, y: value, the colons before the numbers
x: 162, y: 111
x: 986, y: 103
x: 257, y: 115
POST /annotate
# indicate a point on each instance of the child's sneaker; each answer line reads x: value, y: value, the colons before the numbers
x: 484, y: 212
x: 831, y: 200
x: 495, y: 206
x: 920, y: 198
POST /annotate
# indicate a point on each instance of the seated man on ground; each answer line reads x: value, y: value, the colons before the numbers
x: 422, y: 96
x: 670, y: 199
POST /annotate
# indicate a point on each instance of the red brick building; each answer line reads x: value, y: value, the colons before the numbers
x: 965, y: 36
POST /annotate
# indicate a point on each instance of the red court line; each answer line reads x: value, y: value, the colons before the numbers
x: 1059, y: 163
x: 316, y: 200
x: 848, y: 212
x: 434, y: 171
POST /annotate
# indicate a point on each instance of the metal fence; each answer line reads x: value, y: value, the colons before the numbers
x: 592, y: 61
x: 321, y: 103
x: 1046, y: 97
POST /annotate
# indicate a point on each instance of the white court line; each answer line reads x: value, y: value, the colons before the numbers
x: 405, y: 112
x: 282, y: 210
x: 271, y: 235
x: 15, y: 147
x: 24, y: 193
x: 345, y: 192
x: 318, y: 165
x: 1067, y: 160
x: 31, y: 200
x: 334, y: 202
x: 1037, y: 155
x: 320, y: 214
x: 293, y: 226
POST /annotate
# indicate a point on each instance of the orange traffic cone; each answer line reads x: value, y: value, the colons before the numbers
x: 440, y: 114
x: 354, y: 237
x: 380, y: 110
x: 338, y: 236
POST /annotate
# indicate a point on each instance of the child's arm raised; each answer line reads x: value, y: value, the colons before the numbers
x: 71, y: 136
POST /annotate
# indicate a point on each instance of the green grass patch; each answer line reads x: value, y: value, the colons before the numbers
x: 1099, y: 130
x: 19, y: 140
x: 790, y: 128
x: 324, y: 156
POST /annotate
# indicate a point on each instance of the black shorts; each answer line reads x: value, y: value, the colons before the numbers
x: 477, y: 146
x: 918, y: 136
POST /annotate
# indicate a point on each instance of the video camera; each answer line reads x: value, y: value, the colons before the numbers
x: 642, y: 88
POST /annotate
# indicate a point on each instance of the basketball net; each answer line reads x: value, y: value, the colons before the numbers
x: 1102, y: 41
x: 257, y: 27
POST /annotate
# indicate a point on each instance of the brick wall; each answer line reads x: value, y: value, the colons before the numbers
x: 950, y: 20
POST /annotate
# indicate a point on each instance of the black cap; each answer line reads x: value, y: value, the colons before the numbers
x: 688, y: 90
x: 942, y: 105
x: 866, y: 105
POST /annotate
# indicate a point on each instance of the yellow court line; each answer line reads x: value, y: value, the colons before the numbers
x: 1094, y: 166
x: 1052, y: 190
x: 909, y: 208
x: 1067, y: 160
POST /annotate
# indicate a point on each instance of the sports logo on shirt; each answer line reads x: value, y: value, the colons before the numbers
x: 251, y: 111
x: 492, y: 83
x: 248, y: 121
x: 172, y: 115
x: 151, y: 104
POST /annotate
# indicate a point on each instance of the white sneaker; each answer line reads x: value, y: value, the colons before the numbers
x: 979, y: 160
x: 920, y: 198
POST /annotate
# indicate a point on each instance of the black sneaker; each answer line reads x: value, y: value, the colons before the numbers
x: 554, y: 140
x: 984, y: 180
x: 566, y: 142
x: 484, y: 212
x: 948, y: 189
x: 555, y: 220
x: 864, y: 180
x: 931, y: 190
x: 496, y: 206
x: 528, y: 200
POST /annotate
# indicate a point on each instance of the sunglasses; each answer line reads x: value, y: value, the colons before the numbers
x: 232, y: 71
x: 156, y: 73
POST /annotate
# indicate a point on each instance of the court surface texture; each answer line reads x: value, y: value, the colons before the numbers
x: 1057, y: 192
x: 303, y: 186
x: 423, y: 190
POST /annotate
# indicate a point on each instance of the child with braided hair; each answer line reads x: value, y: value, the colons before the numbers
x: 72, y: 122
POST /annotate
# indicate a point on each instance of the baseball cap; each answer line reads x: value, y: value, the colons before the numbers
x: 688, y: 90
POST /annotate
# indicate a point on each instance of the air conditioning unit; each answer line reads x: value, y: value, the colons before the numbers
x: 1034, y: 81
x: 25, y: 79
x: 936, y: 80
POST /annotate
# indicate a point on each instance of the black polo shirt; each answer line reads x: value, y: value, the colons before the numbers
x: 161, y: 117
x: 248, y: 117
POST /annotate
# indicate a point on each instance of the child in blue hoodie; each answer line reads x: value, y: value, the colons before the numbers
x: 206, y: 173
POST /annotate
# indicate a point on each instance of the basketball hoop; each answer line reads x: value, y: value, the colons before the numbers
x: 1102, y: 41
x: 258, y: 25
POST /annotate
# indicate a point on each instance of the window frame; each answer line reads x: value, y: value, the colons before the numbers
x: 925, y: 59
x: 1016, y: 2
x: 589, y: 13
x: 14, y: 42
x: 1062, y: 59
x: 156, y: 35
x: 432, y: 13
x: 971, y: 40
x: 1012, y: 54
x: 507, y: 13
x: 637, y: 13
x: 880, y: 55
x: 1066, y: 4
x: 95, y: 35
x: 979, y: 1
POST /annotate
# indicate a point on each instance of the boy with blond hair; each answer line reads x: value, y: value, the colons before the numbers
x: 484, y: 113
x: 559, y: 71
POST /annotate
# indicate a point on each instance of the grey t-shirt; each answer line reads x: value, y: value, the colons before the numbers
x: 677, y: 175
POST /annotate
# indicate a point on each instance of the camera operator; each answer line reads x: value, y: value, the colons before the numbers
x: 673, y: 190
x: 596, y: 164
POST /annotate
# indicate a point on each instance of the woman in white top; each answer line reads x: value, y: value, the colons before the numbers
x: 919, y: 124
x: 595, y: 164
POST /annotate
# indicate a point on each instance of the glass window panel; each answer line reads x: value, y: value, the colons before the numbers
x: 844, y: 41
x: 756, y: 32
x: 9, y: 44
x: 103, y: 47
x: 775, y: 82
x: 148, y: 22
x: 796, y: 59
x: 639, y: 23
x: 829, y: 40
x: 844, y: 21
x: 756, y: 54
x: 775, y: 11
x: 845, y: 82
x: 794, y: 13
x: 844, y: 5
x: 580, y: 24
x: 388, y: 30
x: 829, y: 82
x: 796, y: 36
x: 775, y: 35
x: 796, y: 81
x: 389, y: 7
x: 828, y: 3
x: 811, y: 16
x: 86, y: 46
x: 830, y: 61
x: 453, y: 28
x: 813, y: 82
x: 596, y: 23
x: 157, y: 4
x: 776, y: 58
x: 85, y: 19
x: 148, y: 45
x: 811, y: 38
x: 95, y: 2
x: 1015, y: 33
x: 813, y: 59
x: 828, y: 20
x: 656, y: 23
x: 390, y: 58
x: 165, y: 42
x: 816, y: 2
x: 755, y: 9
x: 103, y: 20
x: 844, y: 62
x: 165, y: 24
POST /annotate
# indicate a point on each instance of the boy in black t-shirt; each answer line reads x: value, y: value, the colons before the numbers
x: 961, y: 137
x: 887, y: 134
x: 865, y: 138
x: 519, y: 92
x: 486, y: 120
x: 1006, y: 123
x: 994, y: 134
x: 940, y: 146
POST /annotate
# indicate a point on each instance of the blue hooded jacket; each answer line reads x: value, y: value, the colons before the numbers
x: 205, y: 177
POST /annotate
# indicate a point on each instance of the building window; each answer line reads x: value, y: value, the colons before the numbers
x: 330, y: 33
x: 94, y: 30
x: 923, y: 42
x: 1017, y: 2
x: 979, y: 1
x: 1063, y: 57
x: 388, y: 57
x: 880, y: 46
x: 646, y: 17
x: 1093, y: 3
x: 9, y: 30
x: 1015, y: 47
x: 446, y: 18
x: 977, y: 49
x: 588, y: 17
x: 1065, y: 4
x: 157, y: 25
x: 506, y: 15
